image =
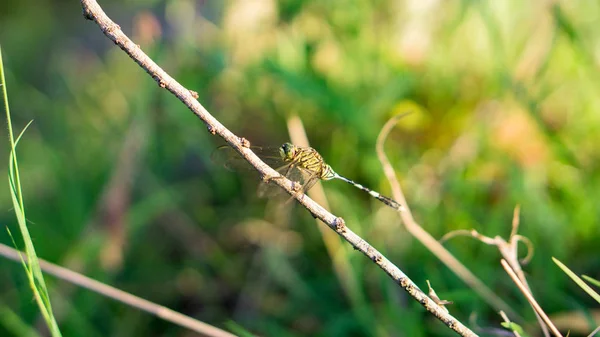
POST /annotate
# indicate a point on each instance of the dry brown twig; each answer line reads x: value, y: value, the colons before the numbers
x: 509, y: 251
x: 524, y: 289
x: 424, y: 237
x: 92, y: 11
x: 593, y: 333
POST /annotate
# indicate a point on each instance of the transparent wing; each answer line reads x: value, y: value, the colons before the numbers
x: 230, y: 159
x: 310, y: 183
x: 266, y: 189
x: 293, y: 173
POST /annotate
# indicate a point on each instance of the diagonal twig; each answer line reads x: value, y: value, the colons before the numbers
x: 423, y: 236
x: 524, y: 289
x: 121, y: 296
x: 93, y: 11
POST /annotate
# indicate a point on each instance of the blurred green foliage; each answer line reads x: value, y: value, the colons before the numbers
x: 119, y: 185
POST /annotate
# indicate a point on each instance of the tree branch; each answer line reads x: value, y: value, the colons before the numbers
x: 93, y: 11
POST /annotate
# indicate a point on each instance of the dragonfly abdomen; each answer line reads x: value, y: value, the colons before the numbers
x: 388, y: 201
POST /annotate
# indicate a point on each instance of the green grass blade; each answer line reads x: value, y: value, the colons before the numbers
x: 31, y: 279
x: 514, y: 327
x: 238, y: 329
x: 32, y: 267
x: 591, y: 280
x: 578, y: 280
x: 15, y: 324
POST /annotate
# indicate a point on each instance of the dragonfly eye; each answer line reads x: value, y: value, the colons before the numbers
x: 287, y: 151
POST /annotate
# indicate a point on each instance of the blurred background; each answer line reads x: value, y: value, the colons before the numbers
x: 119, y: 184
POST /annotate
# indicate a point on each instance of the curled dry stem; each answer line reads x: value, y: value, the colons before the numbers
x: 508, y: 250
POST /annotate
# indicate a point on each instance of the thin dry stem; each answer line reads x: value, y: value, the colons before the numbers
x: 119, y: 295
x: 524, y: 289
x: 424, y: 237
x: 436, y: 298
x: 92, y: 11
x: 594, y: 332
x: 516, y: 220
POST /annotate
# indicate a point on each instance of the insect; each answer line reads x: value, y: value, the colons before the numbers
x: 303, y: 164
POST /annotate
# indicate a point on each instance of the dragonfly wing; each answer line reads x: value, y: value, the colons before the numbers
x: 308, y: 179
x: 230, y: 159
x: 302, y: 176
x: 310, y: 183
x: 294, y: 173
x: 269, y: 189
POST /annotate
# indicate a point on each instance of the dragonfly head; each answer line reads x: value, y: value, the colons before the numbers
x: 288, y: 151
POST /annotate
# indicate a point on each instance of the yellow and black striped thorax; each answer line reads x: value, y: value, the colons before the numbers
x: 308, y: 159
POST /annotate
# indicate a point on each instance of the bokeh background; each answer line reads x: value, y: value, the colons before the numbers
x: 119, y: 184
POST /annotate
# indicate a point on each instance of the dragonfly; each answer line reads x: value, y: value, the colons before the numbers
x: 302, y: 164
